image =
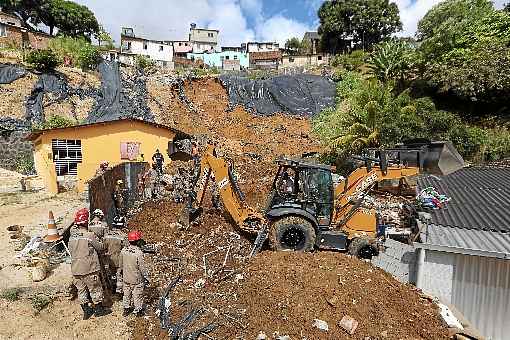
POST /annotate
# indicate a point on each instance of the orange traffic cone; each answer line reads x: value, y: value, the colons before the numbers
x: 52, y: 235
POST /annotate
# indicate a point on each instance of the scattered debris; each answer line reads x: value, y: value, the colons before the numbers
x: 429, y: 198
x: 349, y: 324
x: 320, y: 324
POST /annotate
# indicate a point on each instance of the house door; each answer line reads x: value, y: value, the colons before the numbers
x: 66, y: 156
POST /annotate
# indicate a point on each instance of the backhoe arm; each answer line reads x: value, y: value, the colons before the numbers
x: 349, y: 213
x: 245, y: 217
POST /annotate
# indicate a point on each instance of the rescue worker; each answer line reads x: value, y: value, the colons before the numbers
x: 149, y: 179
x: 286, y: 184
x: 98, y: 225
x: 119, y: 221
x: 134, y: 274
x: 118, y: 197
x: 195, y: 153
x: 84, y: 248
x: 114, y: 240
x: 158, y: 159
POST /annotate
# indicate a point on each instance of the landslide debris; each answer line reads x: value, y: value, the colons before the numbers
x: 277, y: 292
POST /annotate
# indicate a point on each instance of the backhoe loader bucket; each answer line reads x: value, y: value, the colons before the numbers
x: 180, y: 150
x: 436, y: 158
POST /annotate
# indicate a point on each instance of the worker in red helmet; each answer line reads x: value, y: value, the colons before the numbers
x: 134, y: 273
x: 84, y: 247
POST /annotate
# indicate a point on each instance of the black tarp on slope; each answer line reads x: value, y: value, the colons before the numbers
x: 303, y: 94
x: 10, y: 73
x: 120, y: 98
x: 47, y: 83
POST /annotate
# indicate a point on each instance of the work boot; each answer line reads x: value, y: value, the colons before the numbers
x: 126, y: 312
x: 87, y: 311
x: 99, y: 310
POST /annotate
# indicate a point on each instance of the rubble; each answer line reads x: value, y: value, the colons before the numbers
x: 276, y: 292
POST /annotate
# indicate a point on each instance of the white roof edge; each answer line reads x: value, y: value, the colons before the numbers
x: 464, y: 251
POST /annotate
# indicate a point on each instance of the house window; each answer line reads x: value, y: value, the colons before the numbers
x: 161, y: 48
x: 319, y: 57
x: 235, y: 57
x: 227, y: 57
x: 128, y: 46
x: 269, y: 47
x: 291, y: 60
x: 3, y: 31
x: 66, y: 156
x: 145, y: 46
x: 222, y: 58
x: 210, y: 35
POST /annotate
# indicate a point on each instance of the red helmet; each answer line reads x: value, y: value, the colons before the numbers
x: 82, y: 216
x: 134, y: 235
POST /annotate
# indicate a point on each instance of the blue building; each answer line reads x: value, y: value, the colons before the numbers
x: 217, y: 59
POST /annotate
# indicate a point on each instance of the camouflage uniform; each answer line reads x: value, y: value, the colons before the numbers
x: 134, y: 275
x: 98, y: 227
x: 114, y: 240
x: 84, y: 247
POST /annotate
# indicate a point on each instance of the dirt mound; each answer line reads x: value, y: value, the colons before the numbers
x: 275, y: 292
x: 285, y: 291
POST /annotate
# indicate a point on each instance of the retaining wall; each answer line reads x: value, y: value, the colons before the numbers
x: 13, y: 146
x: 399, y: 260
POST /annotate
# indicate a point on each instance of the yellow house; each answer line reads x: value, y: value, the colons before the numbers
x: 70, y: 156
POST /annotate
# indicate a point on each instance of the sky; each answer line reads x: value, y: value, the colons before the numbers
x: 238, y: 20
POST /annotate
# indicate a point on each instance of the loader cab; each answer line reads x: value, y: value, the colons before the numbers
x: 302, y: 189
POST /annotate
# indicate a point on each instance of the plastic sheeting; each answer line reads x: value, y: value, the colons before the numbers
x: 304, y: 95
x: 10, y: 73
x: 120, y: 98
x: 47, y: 83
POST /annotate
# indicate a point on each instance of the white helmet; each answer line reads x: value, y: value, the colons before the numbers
x: 98, y: 213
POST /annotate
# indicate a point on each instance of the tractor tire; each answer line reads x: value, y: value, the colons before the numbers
x: 292, y: 233
x: 361, y: 248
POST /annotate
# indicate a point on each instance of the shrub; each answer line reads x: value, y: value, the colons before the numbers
x: 80, y: 51
x: 39, y: 302
x: 43, y: 60
x: 11, y: 294
x: 25, y: 164
x: 54, y: 122
x: 350, y: 62
x: 142, y: 62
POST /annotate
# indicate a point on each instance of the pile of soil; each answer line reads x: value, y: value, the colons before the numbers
x: 276, y: 292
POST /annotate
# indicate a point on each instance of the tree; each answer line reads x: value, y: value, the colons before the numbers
x: 465, y: 48
x: 104, y: 39
x: 70, y: 18
x: 392, y: 60
x: 306, y: 47
x: 293, y: 45
x: 365, y: 22
x: 507, y: 7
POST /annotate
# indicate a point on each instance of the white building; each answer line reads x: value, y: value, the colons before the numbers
x: 203, y: 40
x: 161, y: 52
x: 261, y: 47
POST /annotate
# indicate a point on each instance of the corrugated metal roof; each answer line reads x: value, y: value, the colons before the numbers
x: 480, y: 199
x: 466, y: 238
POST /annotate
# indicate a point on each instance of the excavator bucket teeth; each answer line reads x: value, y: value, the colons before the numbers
x: 439, y: 158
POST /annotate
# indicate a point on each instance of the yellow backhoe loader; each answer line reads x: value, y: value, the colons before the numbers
x: 306, y: 210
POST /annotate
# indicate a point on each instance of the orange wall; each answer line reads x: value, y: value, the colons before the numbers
x: 99, y: 142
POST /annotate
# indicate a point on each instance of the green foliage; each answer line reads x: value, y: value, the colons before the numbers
x: 68, y: 17
x: 25, y: 164
x: 305, y: 47
x: 54, y: 122
x: 370, y: 114
x: 11, y: 294
x: 350, y: 61
x: 39, y: 302
x: 293, y: 45
x: 143, y: 62
x: 105, y: 40
x: 392, y: 60
x: 465, y: 46
x: 366, y: 21
x: 43, y: 60
x: 79, y: 51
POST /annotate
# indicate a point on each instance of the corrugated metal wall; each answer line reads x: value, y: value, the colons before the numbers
x: 481, y: 291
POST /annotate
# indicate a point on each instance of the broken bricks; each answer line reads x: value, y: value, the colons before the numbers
x: 348, y: 324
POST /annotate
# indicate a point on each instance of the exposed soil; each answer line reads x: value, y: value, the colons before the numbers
x: 276, y: 292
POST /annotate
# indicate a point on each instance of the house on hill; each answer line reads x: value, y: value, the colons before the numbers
x: 69, y: 157
x: 13, y: 34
